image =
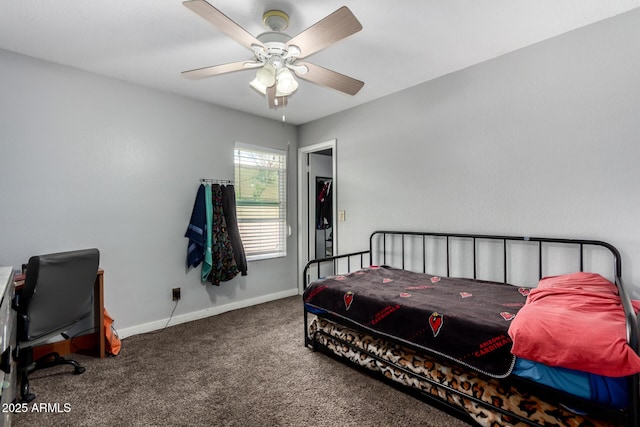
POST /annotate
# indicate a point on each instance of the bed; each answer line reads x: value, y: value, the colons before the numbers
x: 470, y: 323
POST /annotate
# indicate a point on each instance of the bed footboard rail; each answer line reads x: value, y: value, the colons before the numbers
x: 331, y: 266
x: 336, y: 264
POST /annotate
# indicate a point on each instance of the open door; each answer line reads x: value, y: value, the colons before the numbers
x: 321, y: 201
x: 317, y: 191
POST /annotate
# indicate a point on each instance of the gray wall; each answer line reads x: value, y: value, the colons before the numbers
x: 542, y: 141
x: 90, y: 161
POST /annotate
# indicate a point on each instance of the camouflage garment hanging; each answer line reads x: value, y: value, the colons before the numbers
x: 224, y: 264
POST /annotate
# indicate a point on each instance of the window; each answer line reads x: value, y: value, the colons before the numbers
x: 261, y: 201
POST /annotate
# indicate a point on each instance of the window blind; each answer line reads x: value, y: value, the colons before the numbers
x: 261, y: 205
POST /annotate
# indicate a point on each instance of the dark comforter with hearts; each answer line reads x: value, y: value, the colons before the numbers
x: 464, y: 320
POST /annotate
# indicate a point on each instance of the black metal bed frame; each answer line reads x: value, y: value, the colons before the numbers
x: 345, y: 263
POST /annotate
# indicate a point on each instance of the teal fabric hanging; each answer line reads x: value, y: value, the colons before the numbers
x: 207, y: 265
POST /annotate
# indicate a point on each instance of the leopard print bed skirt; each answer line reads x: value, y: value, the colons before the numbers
x: 487, y: 390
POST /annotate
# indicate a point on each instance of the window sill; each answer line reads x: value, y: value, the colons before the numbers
x: 263, y: 257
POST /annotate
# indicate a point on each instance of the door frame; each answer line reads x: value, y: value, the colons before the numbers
x: 303, y: 201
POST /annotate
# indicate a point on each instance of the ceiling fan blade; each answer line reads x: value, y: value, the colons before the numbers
x: 201, y: 73
x: 222, y: 22
x: 324, y: 77
x: 333, y: 28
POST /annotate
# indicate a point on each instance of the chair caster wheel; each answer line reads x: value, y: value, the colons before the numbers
x: 27, y: 398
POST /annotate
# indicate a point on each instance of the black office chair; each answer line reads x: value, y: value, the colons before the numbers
x: 57, y: 293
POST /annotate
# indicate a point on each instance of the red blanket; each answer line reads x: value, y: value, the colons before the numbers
x: 575, y: 321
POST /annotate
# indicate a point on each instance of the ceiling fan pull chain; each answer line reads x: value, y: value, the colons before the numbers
x: 283, y: 118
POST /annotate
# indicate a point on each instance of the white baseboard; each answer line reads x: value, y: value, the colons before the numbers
x: 201, y: 314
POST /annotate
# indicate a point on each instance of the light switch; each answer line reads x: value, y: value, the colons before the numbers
x: 341, y: 216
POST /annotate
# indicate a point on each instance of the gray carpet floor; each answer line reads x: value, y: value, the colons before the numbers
x: 247, y: 367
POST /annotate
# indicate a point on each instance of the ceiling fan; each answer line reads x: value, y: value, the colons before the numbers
x: 277, y: 54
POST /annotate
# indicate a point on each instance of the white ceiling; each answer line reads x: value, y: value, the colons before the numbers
x: 402, y: 44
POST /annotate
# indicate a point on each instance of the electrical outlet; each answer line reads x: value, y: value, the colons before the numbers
x: 175, y: 294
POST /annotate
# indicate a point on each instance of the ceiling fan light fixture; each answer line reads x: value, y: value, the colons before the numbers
x: 286, y: 84
x: 266, y: 75
x: 258, y: 87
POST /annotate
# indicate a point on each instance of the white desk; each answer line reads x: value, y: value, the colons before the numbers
x: 8, y: 368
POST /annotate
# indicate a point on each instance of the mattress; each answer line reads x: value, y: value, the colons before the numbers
x: 464, y: 320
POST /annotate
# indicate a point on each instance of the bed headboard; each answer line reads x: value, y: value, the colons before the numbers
x: 509, y: 259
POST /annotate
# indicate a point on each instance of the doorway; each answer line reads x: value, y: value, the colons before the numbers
x: 317, y: 197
